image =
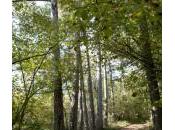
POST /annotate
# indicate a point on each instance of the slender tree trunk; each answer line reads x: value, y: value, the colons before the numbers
x: 151, y: 76
x: 22, y: 113
x: 81, y: 110
x: 68, y: 91
x: 85, y: 110
x: 74, y: 110
x: 112, y: 86
x: 58, y: 95
x: 66, y: 121
x: 107, y: 96
x: 83, y: 90
x: 100, y: 93
x: 90, y: 90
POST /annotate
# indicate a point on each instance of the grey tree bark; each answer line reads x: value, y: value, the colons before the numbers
x: 81, y: 127
x: 83, y: 90
x: 112, y: 85
x: 74, y: 110
x: 107, y: 96
x: 90, y: 90
x: 100, y: 93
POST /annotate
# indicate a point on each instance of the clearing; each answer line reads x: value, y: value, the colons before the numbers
x: 128, y: 126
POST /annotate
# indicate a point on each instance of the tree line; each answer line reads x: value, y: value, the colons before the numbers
x: 74, y: 59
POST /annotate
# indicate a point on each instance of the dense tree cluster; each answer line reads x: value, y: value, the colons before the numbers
x: 84, y: 64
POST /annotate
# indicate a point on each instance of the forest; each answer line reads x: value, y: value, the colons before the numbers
x: 87, y: 64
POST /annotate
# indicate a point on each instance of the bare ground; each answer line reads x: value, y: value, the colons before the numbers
x: 128, y: 126
x: 136, y: 127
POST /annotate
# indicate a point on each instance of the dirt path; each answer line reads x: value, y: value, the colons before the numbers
x: 136, y: 127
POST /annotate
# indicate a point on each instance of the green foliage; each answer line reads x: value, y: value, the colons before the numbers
x: 114, y: 25
x: 131, y: 99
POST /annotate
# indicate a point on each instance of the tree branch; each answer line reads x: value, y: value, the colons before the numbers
x: 30, y: 57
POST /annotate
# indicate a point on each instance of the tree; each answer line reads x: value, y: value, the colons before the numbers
x: 74, y: 110
x: 58, y: 96
x: 111, y: 85
x: 53, y: 58
x: 90, y: 90
x: 83, y: 91
x: 151, y: 76
x: 100, y: 93
x: 107, y: 95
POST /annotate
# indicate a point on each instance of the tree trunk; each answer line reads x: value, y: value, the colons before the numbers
x: 58, y: 95
x: 81, y: 110
x: 107, y: 96
x: 90, y: 90
x: 85, y: 110
x: 66, y: 120
x: 74, y: 110
x: 100, y: 93
x: 151, y: 76
x: 58, y: 108
x: 83, y: 90
x: 112, y: 86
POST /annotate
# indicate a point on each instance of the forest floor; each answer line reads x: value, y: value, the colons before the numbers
x: 129, y: 126
x: 137, y: 127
